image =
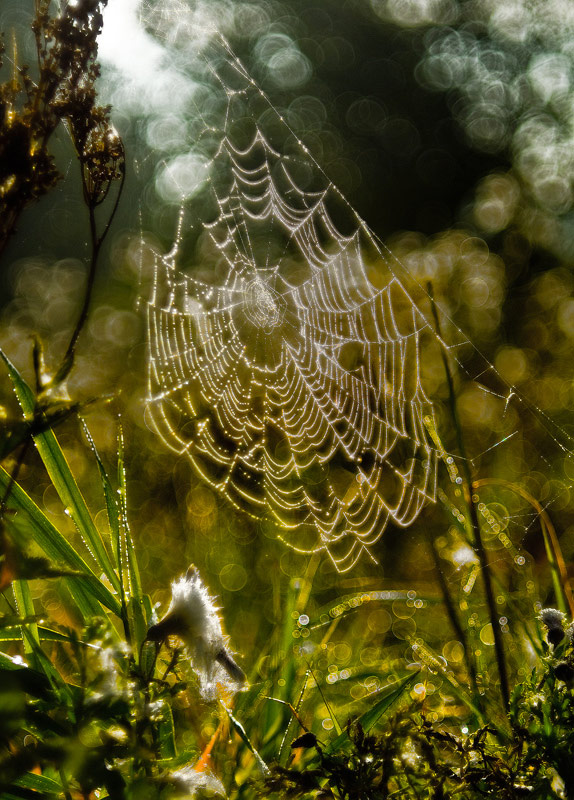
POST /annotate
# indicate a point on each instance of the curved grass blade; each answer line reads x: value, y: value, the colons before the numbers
x: 39, y: 783
x: 166, y: 734
x: 136, y: 607
x: 43, y: 664
x: 388, y: 695
x: 25, y: 606
x: 62, y: 478
x: 240, y: 730
x: 57, y: 548
x: 140, y: 605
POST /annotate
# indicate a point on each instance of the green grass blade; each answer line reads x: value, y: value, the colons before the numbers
x: 133, y: 568
x: 110, y: 497
x: 39, y: 783
x: 44, y: 635
x: 139, y: 609
x: 426, y: 655
x: 240, y: 730
x: 387, y: 696
x: 63, y: 479
x: 25, y: 606
x: 57, y: 548
x: 166, y: 734
x: 43, y: 664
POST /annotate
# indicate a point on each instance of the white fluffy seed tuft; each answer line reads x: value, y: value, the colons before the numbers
x: 194, y: 618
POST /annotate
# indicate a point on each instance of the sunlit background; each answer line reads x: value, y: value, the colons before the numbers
x: 449, y: 127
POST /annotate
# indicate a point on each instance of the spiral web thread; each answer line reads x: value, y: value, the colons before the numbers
x: 290, y: 381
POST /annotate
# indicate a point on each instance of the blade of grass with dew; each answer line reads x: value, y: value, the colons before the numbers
x: 466, y: 484
x: 519, y: 615
x: 282, y: 677
x: 25, y: 606
x: 110, y: 497
x: 43, y: 664
x: 139, y: 606
x: 372, y: 716
x: 39, y: 783
x: 57, y: 548
x: 562, y: 590
x: 136, y: 607
x: 166, y: 733
x: 294, y: 713
x: 240, y: 730
x: 113, y: 511
x: 8, y: 621
x: 387, y: 697
x: 286, y: 644
x: 431, y: 660
x: 332, y: 715
x: 63, y: 479
x: 44, y: 635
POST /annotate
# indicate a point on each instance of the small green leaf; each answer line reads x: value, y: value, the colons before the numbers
x: 166, y: 734
x: 39, y: 783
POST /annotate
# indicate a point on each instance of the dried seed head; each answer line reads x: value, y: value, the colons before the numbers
x: 552, y: 618
x: 306, y: 739
x: 554, y: 622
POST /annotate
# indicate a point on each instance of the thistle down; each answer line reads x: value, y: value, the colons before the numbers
x: 194, y: 618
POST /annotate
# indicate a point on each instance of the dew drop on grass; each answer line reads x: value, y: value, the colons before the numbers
x: 487, y: 635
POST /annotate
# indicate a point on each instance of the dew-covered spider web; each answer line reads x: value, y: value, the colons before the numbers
x: 284, y: 351
x: 289, y: 380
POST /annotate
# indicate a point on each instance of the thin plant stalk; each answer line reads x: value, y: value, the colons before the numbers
x: 560, y: 580
x: 474, y: 520
x: 96, y: 245
x: 455, y: 622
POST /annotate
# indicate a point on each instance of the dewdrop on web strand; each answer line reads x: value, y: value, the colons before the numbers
x: 194, y: 618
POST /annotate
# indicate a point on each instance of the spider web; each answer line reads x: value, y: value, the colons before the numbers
x: 290, y: 382
x: 285, y: 362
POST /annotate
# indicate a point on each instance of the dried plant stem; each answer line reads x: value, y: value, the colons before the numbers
x: 96, y: 246
x: 474, y: 521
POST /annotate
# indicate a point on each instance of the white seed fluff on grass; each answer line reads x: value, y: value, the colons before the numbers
x: 194, y: 618
x: 189, y: 781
